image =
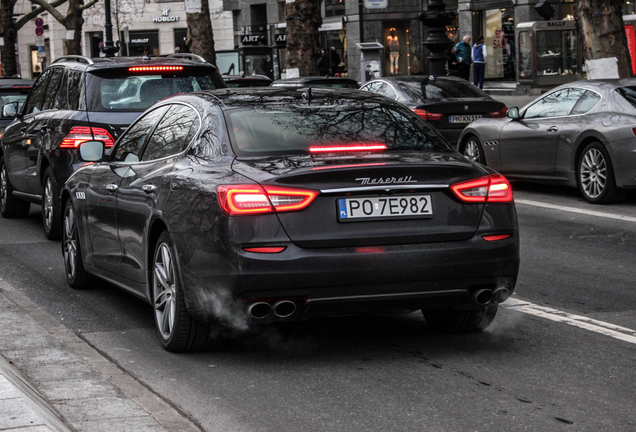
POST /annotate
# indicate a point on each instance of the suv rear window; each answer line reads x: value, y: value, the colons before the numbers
x: 129, y: 91
x: 278, y: 129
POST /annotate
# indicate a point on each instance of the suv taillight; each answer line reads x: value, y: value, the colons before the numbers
x: 80, y: 134
x: 247, y: 199
x: 491, y: 188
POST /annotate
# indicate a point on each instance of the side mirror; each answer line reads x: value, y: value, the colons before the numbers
x: 513, y: 113
x: 91, y: 151
x: 10, y: 110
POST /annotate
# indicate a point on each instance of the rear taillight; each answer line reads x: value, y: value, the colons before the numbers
x: 492, y: 188
x: 255, y: 199
x: 428, y: 116
x: 80, y: 134
x: 347, y: 148
x: 499, y: 114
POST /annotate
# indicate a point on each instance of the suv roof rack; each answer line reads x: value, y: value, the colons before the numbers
x: 188, y: 56
x: 77, y: 58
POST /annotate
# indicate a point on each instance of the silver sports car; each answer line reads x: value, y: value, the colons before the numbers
x: 582, y: 134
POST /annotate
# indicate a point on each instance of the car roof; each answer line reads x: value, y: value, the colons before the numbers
x: 101, y: 63
x: 246, y: 77
x: 15, y: 82
x: 305, y: 80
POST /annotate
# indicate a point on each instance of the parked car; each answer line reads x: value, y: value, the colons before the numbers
x: 326, y: 81
x: 12, y: 89
x: 581, y: 134
x: 247, y: 80
x: 78, y: 99
x: 447, y: 103
x: 262, y: 204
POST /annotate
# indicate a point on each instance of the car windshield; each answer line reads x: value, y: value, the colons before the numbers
x: 423, y: 91
x: 283, y: 129
x: 135, y: 92
x: 629, y: 93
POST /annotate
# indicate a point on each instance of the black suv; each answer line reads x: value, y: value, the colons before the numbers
x: 79, y: 99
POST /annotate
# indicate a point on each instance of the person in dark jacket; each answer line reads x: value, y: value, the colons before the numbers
x: 452, y: 67
x: 335, y: 61
x: 479, y: 62
x: 464, y: 58
x: 324, y: 63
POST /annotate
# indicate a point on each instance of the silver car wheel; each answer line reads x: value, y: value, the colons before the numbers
x: 3, y: 188
x: 70, y: 243
x: 47, y: 204
x: 164, y: 290
x: 593, y: 173
x: 472, y: 152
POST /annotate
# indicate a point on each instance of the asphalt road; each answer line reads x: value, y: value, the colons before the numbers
x: 560, y: 357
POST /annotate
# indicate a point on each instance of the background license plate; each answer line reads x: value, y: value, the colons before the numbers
x: 385, y: 207
x: 463, y: 118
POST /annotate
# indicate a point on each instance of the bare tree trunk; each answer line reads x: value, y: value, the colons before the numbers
x: 9, y: 32
x: 74, y: 22
x: 303, y: 39
x: 200, y: 39
x: 602, y: 32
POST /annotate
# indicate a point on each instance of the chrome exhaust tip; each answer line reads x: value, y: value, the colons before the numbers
x: 501, y: 294
x: 284, y: 309
x: 482, y: 296
x: 259, y: 310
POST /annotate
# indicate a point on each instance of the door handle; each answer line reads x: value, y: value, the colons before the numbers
x: 553, y: 129
x: 112, y: 187
x: 149, y: 188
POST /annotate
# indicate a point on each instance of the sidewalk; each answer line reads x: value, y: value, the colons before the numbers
x: 51, y: 380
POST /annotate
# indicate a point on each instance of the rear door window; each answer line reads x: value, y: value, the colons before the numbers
x: 132, y: 142
x: 169, y: 137
x: 36, y: 97
x: 75, y: 89
x: 53, y: 90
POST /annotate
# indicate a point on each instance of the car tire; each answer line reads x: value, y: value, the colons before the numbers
x: 473, y: 150
x: 450, y: 320
x: 76, y: 275
x: 51, y: 212
x: 178, y: 330
x: 595, y: 175
x: 10, y: 207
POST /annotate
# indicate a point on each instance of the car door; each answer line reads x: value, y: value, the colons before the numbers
x: 529, y: 145
x: 102, y: 191
x: 19, y: 138
x: 148, y: 182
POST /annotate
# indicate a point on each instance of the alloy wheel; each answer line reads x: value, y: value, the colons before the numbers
x: 47, y: 204
x: 593, y: 173
x: 70, y: 243
x: 471, y: 151
x: 164, y: 290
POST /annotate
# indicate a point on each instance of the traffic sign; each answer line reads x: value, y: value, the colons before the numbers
x: 39, y: 31
x: 41, y: 54
x: 39, y: 41
x: 39, y: 22
x: 40, y: 49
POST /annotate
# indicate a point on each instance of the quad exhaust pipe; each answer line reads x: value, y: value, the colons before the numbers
x: 483, y: 296
x: 281, y: 309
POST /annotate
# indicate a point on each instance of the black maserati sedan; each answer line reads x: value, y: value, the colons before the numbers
x: 242, y: 206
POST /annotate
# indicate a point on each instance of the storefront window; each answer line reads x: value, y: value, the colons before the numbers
x: 335, y: 41
x: 259, y: 64
x: 525, y: 55
x: 228, y: 63
x: 334, y: 8
x: 556, y: 53
x: 396, y: 48
x: 498, y: 25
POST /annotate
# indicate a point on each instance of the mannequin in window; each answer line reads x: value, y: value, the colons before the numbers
x: 393, y: 47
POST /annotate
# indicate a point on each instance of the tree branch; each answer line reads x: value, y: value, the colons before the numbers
x: 87, y: 5
x: 50, y: 9
x: 29, y: 16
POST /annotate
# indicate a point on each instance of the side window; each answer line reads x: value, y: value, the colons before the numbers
x: 170, y: 135
x: 556, y: 104
x: 130, y: 144
x: 36, y: 97
x: 586, y: 103
x: 75, y: 89
x: 372, y: 87
x: 386, y: 90
x: 53, y: 89
x: 61, y: 101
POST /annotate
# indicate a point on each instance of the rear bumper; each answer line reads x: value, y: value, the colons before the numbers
x: 335, y: 281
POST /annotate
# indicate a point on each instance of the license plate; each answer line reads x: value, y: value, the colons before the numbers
x: 405, y: 206
x: 463, y: 118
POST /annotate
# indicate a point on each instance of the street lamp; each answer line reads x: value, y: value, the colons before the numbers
x: 109, y: 47
x: 436, y: 18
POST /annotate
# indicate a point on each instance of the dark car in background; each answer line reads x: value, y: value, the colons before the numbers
x: 326, y: 81
x: 12, y: 89
x: 242, y: 206
x: 581, y: 134
x: 447, y: 103
x: 78, y: 99
x: 233, y: 81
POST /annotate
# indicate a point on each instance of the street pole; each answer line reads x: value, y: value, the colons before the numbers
x: 109, y: 48
x: 436, y: 18
x: 361, y: 19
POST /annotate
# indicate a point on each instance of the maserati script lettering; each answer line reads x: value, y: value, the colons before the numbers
x: 388, y: 180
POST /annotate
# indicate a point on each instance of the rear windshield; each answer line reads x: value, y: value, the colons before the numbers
x: 278, y: 129
x: 422, y: 91
x: 629, y: 93
x: 126, y: 91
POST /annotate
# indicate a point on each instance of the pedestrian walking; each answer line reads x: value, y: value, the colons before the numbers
x: 479, y: 62
x: 464, y: 58
x: 324, y: 63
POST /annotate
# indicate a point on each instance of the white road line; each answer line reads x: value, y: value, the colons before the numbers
x: 607, y: 329
x: 575, y: 210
